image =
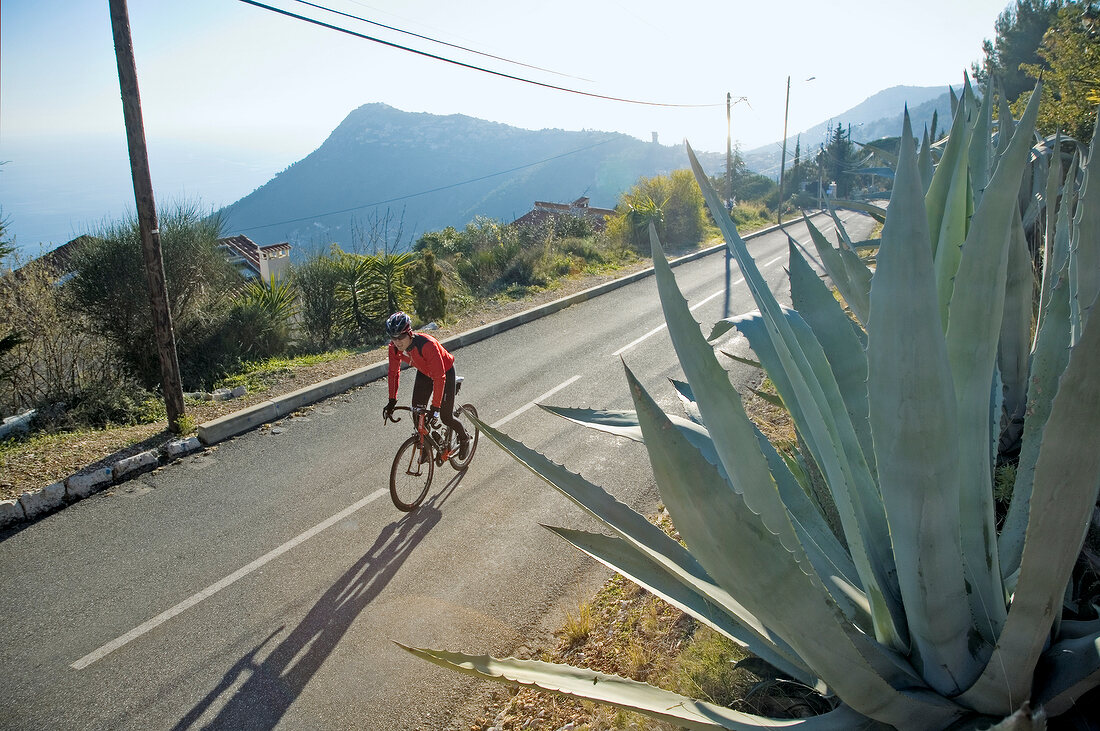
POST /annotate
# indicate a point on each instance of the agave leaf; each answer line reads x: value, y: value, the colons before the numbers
x: 631, y: 695
x: 1014, y: 348
x: 739, y: 359
x: 951, y: 167
x: 844, y: 241
x: 977, y: 306
x: 603, y: 506
x: 862, y: 506
x: 1086, y: 230
x: 948, y: 239
x: 771, y: 398
x: 1064, y: 492
x: 625, y: 424
x: 1006, y: 125
x: 719, y: 402
x: 876, y: 212
x: 821, y: 545
x: 1048, y: 363
x: 630, y: 525
x: 853, y: 283
x: 912, y: 407
x: 836, y: 450
x: 981, y: 143
x: 842, y: 341
x: 726, y: 536
x: 924, y: 162
x: 687, y: 399
x: 1067, y: 671
x: 740, y: 625
x: 1053, y: 253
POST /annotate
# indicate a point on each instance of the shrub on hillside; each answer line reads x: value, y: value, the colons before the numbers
x: 426, y: 279
x: 672, y: 203
x: 51, y: 352
x: 319, y: 308
x: 109, y: 287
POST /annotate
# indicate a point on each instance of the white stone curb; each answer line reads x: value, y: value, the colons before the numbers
x: 11, y: 511
x: 43, y: 500
x: 137, y: 462
x: 79, y: 486
x: 180, y: 447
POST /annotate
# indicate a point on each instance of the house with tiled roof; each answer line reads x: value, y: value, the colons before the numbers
x: 266, y: 263
x: 544, y: 210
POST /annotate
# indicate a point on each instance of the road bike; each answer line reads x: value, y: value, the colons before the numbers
x: 432, y: 443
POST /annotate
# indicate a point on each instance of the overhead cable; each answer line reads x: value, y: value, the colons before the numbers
x: 330, y: 26
x: 436, y: 40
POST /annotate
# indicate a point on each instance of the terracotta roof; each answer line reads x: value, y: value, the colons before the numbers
x: 545, y: 209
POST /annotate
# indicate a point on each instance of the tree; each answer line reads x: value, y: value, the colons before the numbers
x: 1070, y: 54
x: 838, y: 160
x: 1019, y: 32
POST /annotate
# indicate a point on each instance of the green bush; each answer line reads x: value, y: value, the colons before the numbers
x: 52, y: 350
x: 426, y: 279
x: 120, y: 402
x: 673, y: 204
x: 319, y: 308
x: 109, y: 287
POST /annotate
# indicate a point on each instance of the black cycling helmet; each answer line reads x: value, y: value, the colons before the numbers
x: 398, y: 324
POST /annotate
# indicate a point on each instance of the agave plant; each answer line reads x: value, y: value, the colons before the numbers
x: 919, y: 614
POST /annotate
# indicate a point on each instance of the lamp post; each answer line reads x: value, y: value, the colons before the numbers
x: 783, y: 159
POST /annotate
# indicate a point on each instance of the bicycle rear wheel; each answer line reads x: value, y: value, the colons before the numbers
x: 410, y: 478
x: 463, y: 414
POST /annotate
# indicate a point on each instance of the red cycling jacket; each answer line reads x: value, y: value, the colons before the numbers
x: 429, y: 357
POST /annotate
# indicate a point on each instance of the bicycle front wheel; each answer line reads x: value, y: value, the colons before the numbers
x: 463, y: 414
x: 410, y: 477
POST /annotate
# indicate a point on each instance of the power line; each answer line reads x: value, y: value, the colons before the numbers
x: 466, y: 65
x: 436, y: 40
x: 426, y: 192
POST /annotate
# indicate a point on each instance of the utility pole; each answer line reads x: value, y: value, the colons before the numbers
x: 147, y: 214
x: 783, y: 159
x: 729, y: 198
x: 729, y: 153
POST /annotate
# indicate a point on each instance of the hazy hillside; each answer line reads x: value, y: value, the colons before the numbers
x: 438, y: 171
x: 876, y: 117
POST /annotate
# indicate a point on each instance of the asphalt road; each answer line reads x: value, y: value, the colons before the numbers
x: 263, y: 585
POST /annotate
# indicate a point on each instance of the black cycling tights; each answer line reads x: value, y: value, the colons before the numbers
x: 422, y: 394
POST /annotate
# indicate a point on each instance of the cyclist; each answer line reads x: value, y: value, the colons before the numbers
x: 435, y: 374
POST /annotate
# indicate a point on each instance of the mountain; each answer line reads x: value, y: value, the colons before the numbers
x: 876, y: 117
x: 382, y: 167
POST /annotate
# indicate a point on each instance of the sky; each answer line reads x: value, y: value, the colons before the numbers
x: 233, y: 93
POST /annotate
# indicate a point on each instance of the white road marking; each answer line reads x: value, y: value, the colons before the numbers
x: 661, y: 327
x: 529, y: 404
x: 778, y: 258
x: 218, y: 586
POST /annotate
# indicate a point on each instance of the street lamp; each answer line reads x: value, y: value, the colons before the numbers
x: 783, y: 159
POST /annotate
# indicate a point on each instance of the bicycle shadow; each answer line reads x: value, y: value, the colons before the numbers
x: 274, y: 683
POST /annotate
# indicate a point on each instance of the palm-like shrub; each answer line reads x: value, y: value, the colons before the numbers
x: 923, y: 616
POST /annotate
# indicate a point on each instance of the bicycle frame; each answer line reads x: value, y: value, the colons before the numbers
x: 442, y: 445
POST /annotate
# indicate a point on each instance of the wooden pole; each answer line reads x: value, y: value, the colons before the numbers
x: 783, y: 160
x: 147, y: 214
x: 729, y: 197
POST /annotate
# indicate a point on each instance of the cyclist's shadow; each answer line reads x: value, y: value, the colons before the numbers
x: 274, y: 683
